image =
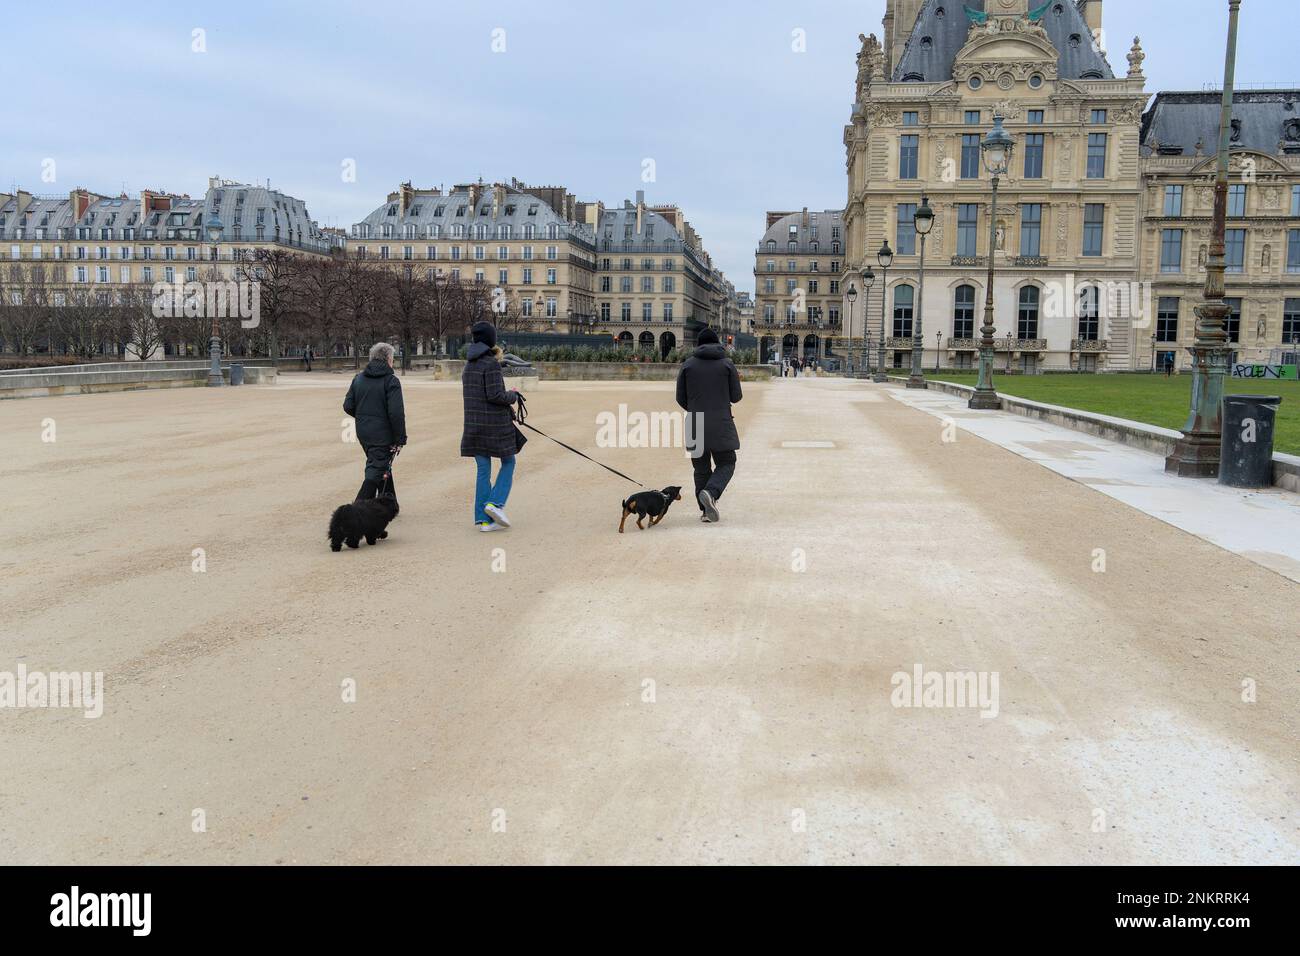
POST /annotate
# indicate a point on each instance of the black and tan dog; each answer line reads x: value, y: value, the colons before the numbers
x: 649, y: 504
x: 364, y: 518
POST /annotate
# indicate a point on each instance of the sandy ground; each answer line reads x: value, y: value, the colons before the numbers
x: 683, y: 694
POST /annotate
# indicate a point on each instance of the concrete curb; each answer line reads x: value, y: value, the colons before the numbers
x: 1150, y: 438
x: 138, y: 376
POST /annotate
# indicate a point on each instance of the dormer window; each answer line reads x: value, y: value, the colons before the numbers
x: 392, y: 210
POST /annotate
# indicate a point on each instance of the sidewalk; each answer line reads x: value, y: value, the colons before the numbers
x: 1261, y: 526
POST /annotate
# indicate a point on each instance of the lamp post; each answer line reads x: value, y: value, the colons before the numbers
x: 1153, y: 354
x: 886, y: 258
x: 852, y: 296
x: 995, y: 148
x: 215, y: 228
x: 868, y: 280
x: 922, y: 221
x: 938, y: 344
x: 1196, y: 454
x: 1011, y: 347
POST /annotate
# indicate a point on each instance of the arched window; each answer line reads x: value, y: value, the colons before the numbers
x: 903, y: 311
x: 963, y: 312
x: 1027, y: 324
x: 1088, y: 324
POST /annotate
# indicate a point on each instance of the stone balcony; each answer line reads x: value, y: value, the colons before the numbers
x: 1089, y: 345
x: 1002, y: 344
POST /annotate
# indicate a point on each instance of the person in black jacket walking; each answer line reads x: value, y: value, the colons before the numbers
x: 707, y: 386
x: 490, y: 430
x: 374, y: 399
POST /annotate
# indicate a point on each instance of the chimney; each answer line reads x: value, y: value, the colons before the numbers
x: 80, y: 199
x: 498, y: 199
x: 640, y: 208
x: 406, y: 194
x: 24, y: 200
x: 1091, y: 10
x: 475, y: 190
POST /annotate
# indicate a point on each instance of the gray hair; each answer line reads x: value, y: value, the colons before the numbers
x: 382, y: 350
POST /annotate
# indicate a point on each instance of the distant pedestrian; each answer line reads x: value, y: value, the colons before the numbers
x: 490, y: 430
x: 374, y: 399
x: 707, y: 386
x: 307, y: 356
x: 1169, y: 364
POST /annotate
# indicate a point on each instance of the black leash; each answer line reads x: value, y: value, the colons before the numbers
x: 523, y: 413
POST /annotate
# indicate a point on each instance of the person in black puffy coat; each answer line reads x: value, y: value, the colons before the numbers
x: 374, y: 399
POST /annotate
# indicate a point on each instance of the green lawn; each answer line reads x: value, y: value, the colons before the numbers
x: 1153, y: 399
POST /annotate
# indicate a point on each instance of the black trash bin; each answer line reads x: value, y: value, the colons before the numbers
x: 1246, y: 448
x: 237, y: 378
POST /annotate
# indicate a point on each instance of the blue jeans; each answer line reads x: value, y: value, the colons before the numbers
x: 485, y: 490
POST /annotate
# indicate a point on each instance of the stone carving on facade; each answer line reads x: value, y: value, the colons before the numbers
x: 1062, y: 230
x: 1272, y: 198
x: 1129, y: 113
x: 1135, y: 58
x: 1261, y: 328
x: 1067, y: 157
x: 940, y: 159
x: 1266, y: 258
x: 1008, y: 109
x: 879, y: 115
x: 870, y: 63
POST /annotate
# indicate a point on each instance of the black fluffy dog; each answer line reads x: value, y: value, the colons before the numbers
x: 650, y: 504
x: 362, y: 519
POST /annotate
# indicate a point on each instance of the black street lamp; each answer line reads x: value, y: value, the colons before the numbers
x: 922, y: 221
x: 886, y: 258
x: 868, y: 280
x: 852, y: 296
x: 215, y: 229
x: 938, y: 344
x: 996, y: 149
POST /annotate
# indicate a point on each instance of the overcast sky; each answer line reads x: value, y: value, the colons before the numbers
x: 735, y: 121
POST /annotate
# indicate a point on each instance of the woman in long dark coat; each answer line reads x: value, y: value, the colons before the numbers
x: 490, y: 430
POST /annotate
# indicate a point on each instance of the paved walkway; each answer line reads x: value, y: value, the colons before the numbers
x: 563, y: 693
x: 1262, y: 526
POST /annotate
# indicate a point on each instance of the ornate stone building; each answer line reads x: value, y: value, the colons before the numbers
x: 797, y: 271
x: 656, y: 287
x: 1066, y: 232
x: 1262, y: 283
x: 503, y: 236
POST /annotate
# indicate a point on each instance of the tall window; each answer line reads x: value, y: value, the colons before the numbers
x: 963, y: 312
x: 1234, y: 242
x: 1291, y: 321
x: 1234, y: 319
x: 903, y: 311
x: 1237, y: 199
x: 1293, y: 250
x: 967, y: 228
x: 1167, y: 319
x: 1031, y: 228
x: 1295, y: 200
x: 907, y: 150
x: 970, y: 156
x: 1027, y: 315
x: 1096, y: 155
x: 1173, y: 200
x: 1171, y: 250
x: 1088, y: 325
x: 1033, y: 156
x: 1094, y: 222
x: 905, y: 235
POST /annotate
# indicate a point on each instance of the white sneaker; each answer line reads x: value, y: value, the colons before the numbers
x: 498, y: 515
x: 491, y: 526
x: 706, y: 502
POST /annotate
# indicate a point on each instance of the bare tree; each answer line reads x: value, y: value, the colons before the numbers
x: 22, y: 317
x: 142, y: 331
x: 276, y: 273
x: 322, y: 302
